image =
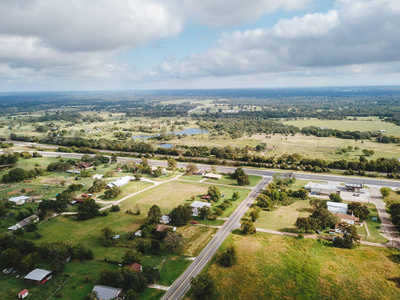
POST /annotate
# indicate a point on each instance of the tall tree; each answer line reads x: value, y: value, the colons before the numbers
x: 154, y: 214
x: 203, y: 286
x: 214, y: 193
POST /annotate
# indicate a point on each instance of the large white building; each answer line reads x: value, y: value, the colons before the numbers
x: 120, y: 182
x: 336, y: 207
x: 323, y: 189
x: 19, y: 200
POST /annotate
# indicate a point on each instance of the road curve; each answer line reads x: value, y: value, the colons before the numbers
x: 182, y: 284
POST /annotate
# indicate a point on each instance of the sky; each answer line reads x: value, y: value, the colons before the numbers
x: 63, y: 45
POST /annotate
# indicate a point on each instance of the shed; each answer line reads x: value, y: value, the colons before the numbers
x: 120, y: 182
x: 19, y: 200
x: 213, y: 176
x: 106, y: 292
x: 39, y: 276
x: 138, y: 233
x: 23, y: 294
x: 197, y: 205
x: 336, y: 207
x: 136, y: 267
x: 165, y: 219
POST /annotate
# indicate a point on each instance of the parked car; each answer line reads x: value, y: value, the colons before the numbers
x: 193, y: 222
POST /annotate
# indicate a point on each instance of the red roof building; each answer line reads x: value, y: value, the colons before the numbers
x: 23, y: 294
x: 136, y: 267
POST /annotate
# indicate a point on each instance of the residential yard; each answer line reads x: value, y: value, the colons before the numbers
x: 226, y: 179
x: 130, y: 188
x: 276, y: 267
x: 283, y: 219
x: 192, y: 177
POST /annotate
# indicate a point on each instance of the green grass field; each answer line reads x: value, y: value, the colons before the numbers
x: 283, y: 219
x: 226, y: 179
x: 275, y: 267
x: 361, y: 124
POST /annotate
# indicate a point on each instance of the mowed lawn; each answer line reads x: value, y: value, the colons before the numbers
x: 226, y: 179
x: 275, y: 267
x: 283, y: 219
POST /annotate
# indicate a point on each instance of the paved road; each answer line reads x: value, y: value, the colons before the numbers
x: 182, y: 284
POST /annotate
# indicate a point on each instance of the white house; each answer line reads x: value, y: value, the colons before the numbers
x: 19, y: 200
x: 336, y: 207
x: 120, y: 182
x: 106, y: 292
x: 197, y: 205
x: 165, y: 219
x: 213, y: 176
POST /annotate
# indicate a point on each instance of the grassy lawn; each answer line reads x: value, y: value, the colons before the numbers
x: 298, y: 184
x: 283, y: 219
x: 226, y: 179
x: 275, y: 267
x: 192, y: 177
x: 162, y: 178
x: 151, y: 294
x: 374, y: 226
x: 130, y: 188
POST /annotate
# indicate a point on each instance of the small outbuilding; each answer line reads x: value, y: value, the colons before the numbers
x: 106, y: 292
x: 349, y: 219
x: 39, y: 276
x: 138, y: 233
x: 213, y: 176
x: 23, y: 294
x: 136, y: 267
x: 323, y: 189
x: 19, y: 200
x: 165, y: 219
x: 119, y: 182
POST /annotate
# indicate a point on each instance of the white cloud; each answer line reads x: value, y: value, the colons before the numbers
x: 362, y: 33
x: 227, y: 13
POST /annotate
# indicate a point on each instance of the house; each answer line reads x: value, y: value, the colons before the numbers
x: 201, y: 172
x: 138, y: 233
x: 165, y: 219
x: 23, y: 294
x: 161, y: 228
x: 197, y: 205
x: 136, y: 267
x: 323, y: 189
x: 206, y: 197
x: 106, y: 292
x: 97, y: 176
x: 119, y: 182
x: 24, y: 222
x: 353, y: 187
x: 19, y: 200
x: 83, y: 166
x: 336, y: 207
x: 213, y: 176
x: 39, y: 276
x: 345, y: 218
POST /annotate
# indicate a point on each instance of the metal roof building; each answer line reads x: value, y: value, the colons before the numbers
x: 336, y: 207
x: 120, y: 182
x: 106, y: 292
x: 19, y: 200
x: 38, y: 275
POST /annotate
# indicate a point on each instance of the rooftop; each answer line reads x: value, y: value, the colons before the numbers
x: 106, y: 292
x: 37, y: 274
x: 200, y: 204
x: 336, y: 204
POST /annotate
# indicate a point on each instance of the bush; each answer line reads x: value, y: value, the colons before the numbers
x: 115, y: 208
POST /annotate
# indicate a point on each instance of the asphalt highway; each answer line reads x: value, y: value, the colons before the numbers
x: 182, y: 284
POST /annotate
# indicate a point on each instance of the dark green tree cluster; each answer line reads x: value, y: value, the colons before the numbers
x: 320, y: 219
x: 214, y: 193
x: 359, y: 210
x: 228, y: 257
x: 88, y: 209
x: 98, y: 186
x: 203, y: 286
x: 241, y: 177
x: 112, y: 193
x: 18, y: 175
x: 350, y: 236
x: 181, y: 215
x: 125, y: 278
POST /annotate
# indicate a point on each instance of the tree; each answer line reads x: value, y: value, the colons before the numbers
x: 261, y: 147
x: 248, y: 227
x: 106, y: 237
x: 323, y: 217
x: 88, y: 209
x: 385, y: 192
x: 254, y: 215
x: 98, y: 185
x: 115, y: 208
x: 306, y: 224
x: 144, y: 162
x: 30, y: 261
x: 181, y: 215
x: 243, y: 180
x: 359, y: 210
x: 235, y: 196
x: 154, y: 214
x: 350, y: 236
x: 214, y: 193
x: 238, y: 172
x: 205, y: 213
x: 112, y: 193
x: 15, y: 175
x: 335, y: 197
x: 191, y: 168
x: 158, y: 172
x: 203, y: 286
x: 171, y: 163
x: 131, y: 257
x: 264, y: 202
x: 173, y: 242
x: 228, y: 257
x: 114, y: 158
x: 137, y: 177
x: 152, y: 274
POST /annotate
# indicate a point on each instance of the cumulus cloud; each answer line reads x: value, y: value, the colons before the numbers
x: 356, y: 32
x: 227, y: 13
